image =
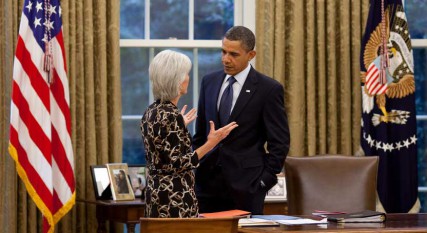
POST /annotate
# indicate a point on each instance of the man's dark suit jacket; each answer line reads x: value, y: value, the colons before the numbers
x: 260, y: 115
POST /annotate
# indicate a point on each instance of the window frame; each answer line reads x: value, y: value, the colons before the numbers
x: 244, y: 11
x: 420, y: 44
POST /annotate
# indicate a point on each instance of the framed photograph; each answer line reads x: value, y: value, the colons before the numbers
x: 101, y: 182
x: 278, y: 192
x: 137, y: 177
x: 120, y: 185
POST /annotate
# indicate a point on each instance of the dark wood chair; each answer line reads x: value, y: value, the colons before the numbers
x: 187, y: 225
x: 331, y: 183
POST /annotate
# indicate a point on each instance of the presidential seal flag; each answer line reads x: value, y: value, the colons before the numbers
x: 40, y: 126
x: 388, y: 111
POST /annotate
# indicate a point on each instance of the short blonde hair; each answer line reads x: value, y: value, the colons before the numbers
x: 167, y: 71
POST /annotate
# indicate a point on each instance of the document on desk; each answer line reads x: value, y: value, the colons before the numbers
x: 302, y: 221
x: 275, y: 217
x: 362, y: 216
x: 249, y: 222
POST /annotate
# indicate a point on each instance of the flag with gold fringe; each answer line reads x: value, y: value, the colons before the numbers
x: 40, y: 125
x: 388, y: 104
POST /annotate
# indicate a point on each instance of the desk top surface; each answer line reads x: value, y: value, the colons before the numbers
x: 394, y: 223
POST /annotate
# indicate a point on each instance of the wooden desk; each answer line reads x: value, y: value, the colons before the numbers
x: 394, y: 223
x: 127, y: 212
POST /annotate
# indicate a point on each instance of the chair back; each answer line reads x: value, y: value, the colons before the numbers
x: 187, y: 225
x: 331, y: 183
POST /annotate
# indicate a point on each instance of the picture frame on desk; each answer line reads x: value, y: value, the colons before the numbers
x: 101, y: 182
x: 278, y: 191
x: 137, y: 177
x: 120, y: 185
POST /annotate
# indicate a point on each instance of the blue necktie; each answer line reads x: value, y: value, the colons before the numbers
x: 226, y: 102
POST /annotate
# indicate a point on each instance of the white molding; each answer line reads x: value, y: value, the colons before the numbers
x: 238, y: 12
x: 249, y: 15
x: 244, y: 13
x: 170, y: 43
x: 419, y: 43
x: 421, y: 117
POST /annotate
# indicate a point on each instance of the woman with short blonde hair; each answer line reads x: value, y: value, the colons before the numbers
x: 167, y: 71
x: 169, y: 154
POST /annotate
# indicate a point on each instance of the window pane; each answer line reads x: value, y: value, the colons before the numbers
x: 422, y: 152
x: 209, y: 61
x: 132, y: 19
x: 415, y: 12
x: 134, y: 80
x: 133, y: 146
x: 422, y: 161
x: 212, y: 18
x: 423, y: 200
x: 420, y: 69
x: 169, y: 19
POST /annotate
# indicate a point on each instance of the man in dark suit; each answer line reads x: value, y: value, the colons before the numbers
x: 238, y: 173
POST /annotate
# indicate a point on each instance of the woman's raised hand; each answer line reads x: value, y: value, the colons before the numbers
x: 189, y: 116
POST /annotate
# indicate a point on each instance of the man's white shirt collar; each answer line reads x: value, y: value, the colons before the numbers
x: 240, y: 77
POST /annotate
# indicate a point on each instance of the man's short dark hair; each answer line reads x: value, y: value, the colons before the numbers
x: 242, y: 34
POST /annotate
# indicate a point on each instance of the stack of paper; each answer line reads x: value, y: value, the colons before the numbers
x: 363, y: 216
x: 274, y: 220
x: 302, y: 221
x: 275, y: 217
x: 249, y: 222
x: 325, y: 213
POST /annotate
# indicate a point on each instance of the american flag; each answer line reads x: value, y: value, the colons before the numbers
x: 40, y: 126
x: 373, y: 84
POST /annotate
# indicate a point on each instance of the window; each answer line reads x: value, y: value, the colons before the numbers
x: 146, y: 29
x: 415, y: 10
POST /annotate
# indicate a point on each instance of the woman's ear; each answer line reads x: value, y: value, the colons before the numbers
x: 181, y: 89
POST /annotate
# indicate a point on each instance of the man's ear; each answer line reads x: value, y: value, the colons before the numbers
x: 252, y: 54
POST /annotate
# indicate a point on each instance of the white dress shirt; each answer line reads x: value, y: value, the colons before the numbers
x: 237, y: 86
